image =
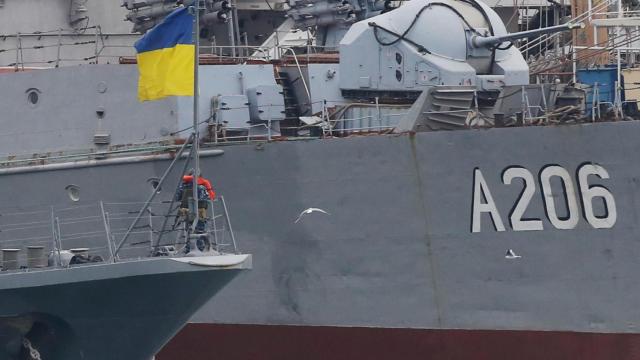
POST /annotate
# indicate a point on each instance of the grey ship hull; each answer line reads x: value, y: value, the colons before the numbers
x: 398, y: 255
x: 104, y: 311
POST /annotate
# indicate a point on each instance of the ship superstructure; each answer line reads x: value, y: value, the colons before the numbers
x: 37, y: 34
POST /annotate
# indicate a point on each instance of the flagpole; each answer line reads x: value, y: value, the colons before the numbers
x: 196, y: 118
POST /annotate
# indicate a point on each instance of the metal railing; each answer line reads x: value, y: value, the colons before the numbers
x: 364, y: 124
x: 89, y: 233
x: 224, y: 133
x: 51, y: 48
x: 91, y: 37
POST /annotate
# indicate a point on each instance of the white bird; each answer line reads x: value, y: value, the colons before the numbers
x: 512, y: 255
x: 309, y: 211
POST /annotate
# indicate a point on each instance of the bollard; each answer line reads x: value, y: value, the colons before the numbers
x: 35, y: 257
x: 10, y: 259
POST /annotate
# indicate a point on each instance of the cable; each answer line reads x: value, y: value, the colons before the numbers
x: 375, y: 26
x: 83, y: 30
x: 596, y: 52
x: 505, y: 47
x: 590, y: 53
x: 403, y: 36
x: 191, y: 127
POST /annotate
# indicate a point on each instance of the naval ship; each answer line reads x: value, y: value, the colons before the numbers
x: 467, y: 211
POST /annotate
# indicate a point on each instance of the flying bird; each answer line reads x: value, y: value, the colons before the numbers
x: 512, y: 255
x: 309, y: 211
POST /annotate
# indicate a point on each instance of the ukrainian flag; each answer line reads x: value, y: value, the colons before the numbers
x: 166, y: 58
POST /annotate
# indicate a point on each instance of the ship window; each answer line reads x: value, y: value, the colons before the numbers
x: 74, y: 192
x: 33, y: 97
x: 399, y: 58
x: 398, y: 75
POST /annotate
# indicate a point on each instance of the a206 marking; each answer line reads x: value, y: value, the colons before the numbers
x: 587, y: 194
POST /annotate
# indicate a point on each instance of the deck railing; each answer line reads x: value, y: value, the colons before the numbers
x: 57, y: 237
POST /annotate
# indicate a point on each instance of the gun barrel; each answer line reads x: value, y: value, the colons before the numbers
x: 480, y: 41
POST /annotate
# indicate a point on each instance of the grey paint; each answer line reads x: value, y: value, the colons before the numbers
x: 324, y: 85
x: 266, y: 103
x: 397, y: 250
x: 38, y: 22
x: 65, y: 120
x: 233, y: 110
x: 47, y: 16
x: 65, y: 117
x: 51, y: 14
x: 234, y: 80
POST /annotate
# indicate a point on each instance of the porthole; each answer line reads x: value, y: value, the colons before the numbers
x: 398, y: 75
x: 73, y: 191
x: 33, y: 97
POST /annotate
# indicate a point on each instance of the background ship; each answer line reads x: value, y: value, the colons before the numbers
x: 514, y: 235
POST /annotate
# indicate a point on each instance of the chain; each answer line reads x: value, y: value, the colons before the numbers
x: 35, y: 355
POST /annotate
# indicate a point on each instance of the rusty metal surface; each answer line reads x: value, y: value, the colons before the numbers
x: 265, y: 342
x: 209, y: 59
x: 205, y: 59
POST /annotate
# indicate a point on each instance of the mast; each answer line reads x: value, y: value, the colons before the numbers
x: 195, y: 148
x: 195, y: 138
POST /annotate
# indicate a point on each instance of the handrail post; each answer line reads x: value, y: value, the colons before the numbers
x: 58, y: 238
x: 56, y: 250
x: 269, y: 124
x: 226, y: 215
x: 150, y: 227
x: 95, y: 48
x: 213, y: 223
x: 18, y: 52
x: 107, y: 230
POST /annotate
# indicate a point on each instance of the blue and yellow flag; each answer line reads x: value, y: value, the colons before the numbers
x: 166, y: 58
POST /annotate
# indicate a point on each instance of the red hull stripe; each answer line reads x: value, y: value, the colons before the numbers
x: 265, y: 342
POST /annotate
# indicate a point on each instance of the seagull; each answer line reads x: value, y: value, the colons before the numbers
x: 309, y: 211
x: 512, y: 255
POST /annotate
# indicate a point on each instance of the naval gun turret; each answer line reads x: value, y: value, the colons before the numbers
x: 427, y: 43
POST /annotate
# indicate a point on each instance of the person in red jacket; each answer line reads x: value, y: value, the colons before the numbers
x: 205, y: 194
x: 187, y: 180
